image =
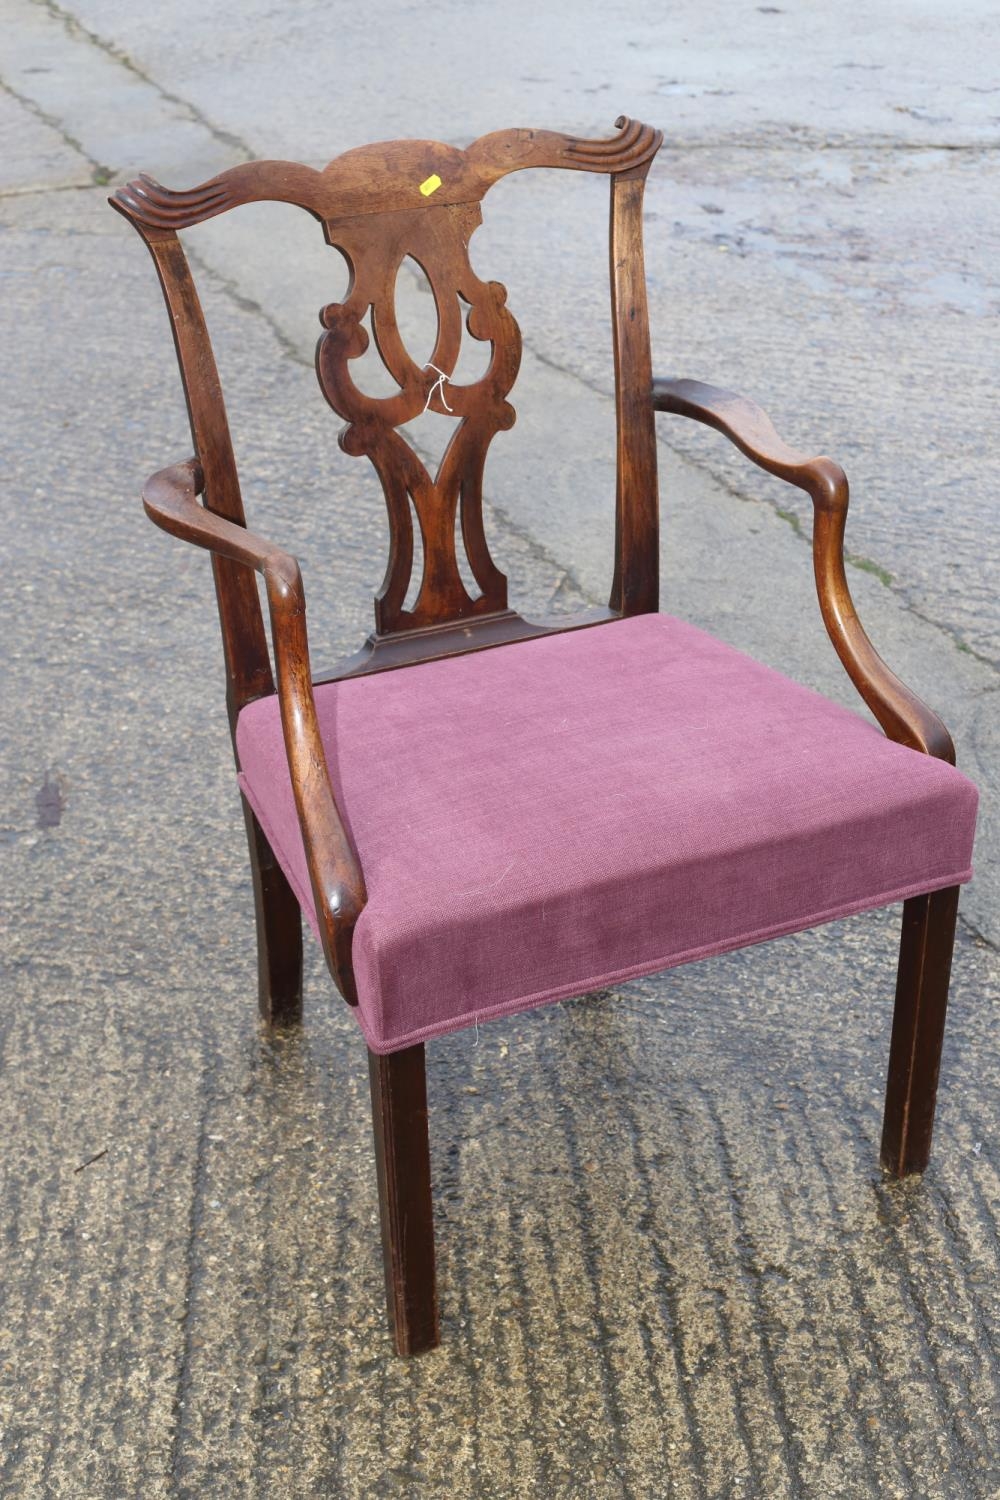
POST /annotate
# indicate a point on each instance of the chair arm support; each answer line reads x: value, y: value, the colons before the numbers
x: 902, y: 715
x: 169, y: 499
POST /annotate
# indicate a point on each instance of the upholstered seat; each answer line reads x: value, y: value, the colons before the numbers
x: 537, y: 820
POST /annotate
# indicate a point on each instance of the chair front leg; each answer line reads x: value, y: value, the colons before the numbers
x: 918, y: 1029
x: 402, y: 1159
x: 279, y: 932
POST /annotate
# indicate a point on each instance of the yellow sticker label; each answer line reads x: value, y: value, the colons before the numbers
x: 430, y: 184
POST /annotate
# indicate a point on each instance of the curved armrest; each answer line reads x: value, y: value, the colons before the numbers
x: 902, y: 715
x: 338, y: 885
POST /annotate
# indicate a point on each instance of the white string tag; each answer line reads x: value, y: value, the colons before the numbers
x: 438, y: 386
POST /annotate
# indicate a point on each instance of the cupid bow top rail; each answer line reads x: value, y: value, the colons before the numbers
x: 903, y: 716
x: 169, y: 499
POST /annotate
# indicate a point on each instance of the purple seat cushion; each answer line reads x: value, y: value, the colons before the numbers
x: 540, y: 819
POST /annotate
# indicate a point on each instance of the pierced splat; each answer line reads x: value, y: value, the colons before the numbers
x: 375, y: 247
x: 379, y: 204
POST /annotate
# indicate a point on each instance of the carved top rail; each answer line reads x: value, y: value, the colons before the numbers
x: 422, y: 199
x: 389, y: 177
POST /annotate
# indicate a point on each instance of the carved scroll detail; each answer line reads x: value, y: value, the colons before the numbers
x: 149, y: 202
x: 438, y: 242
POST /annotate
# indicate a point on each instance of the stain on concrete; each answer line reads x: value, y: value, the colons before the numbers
x: 50, y: 800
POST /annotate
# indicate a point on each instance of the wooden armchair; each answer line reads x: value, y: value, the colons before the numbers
x: 478, y: 813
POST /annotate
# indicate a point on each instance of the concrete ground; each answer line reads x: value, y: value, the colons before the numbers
x: 669, y: 1264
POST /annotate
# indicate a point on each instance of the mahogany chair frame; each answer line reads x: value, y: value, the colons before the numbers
x: 378, y: 204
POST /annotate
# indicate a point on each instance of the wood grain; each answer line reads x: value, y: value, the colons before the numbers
x: 636, y: 584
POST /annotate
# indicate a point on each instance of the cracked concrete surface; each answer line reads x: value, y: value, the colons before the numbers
x: 669, y: 1265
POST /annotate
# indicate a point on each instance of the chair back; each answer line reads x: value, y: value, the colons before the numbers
x: 379, y: 205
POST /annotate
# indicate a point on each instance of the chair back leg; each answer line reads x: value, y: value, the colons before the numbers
x: 279, y: 932
x: 402, y: 1159
x: 918, y: 1029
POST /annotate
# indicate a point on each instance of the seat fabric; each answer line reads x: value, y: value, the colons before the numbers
x: 547, y: 817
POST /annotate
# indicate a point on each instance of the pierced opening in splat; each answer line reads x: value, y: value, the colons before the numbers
x: 417, y: 319
x: 462, y: 557
x: 474, y: 355
x: 368, y: 372
x: 416, y: 312
x: 417, y: 575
